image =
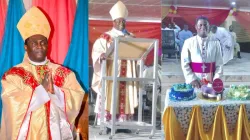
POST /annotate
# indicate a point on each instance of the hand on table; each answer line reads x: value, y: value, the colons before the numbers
x: 196, y: 84
x: 103, y: 57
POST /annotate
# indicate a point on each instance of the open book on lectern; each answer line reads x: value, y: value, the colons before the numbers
x: 131, y: 48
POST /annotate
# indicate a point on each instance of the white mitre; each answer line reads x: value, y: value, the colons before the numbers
x: 119, y: 10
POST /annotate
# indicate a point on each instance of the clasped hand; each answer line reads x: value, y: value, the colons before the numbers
x: 47, y: 82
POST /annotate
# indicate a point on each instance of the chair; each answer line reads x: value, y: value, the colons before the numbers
x: 168, y: 44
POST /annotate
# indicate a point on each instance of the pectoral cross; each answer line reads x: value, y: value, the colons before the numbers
x: 203, y: 67
x: 42, y: 71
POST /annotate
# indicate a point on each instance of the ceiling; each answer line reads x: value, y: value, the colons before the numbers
x: 144, y: 10
x: 243, y: 5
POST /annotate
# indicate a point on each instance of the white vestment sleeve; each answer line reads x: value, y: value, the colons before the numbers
x: 58, y: 97
x: 229, y: 38
x: 185, y: 63
x: 224, y: 36
x: 98, y: 49
x: 219, y: 62
x: 39, y: 98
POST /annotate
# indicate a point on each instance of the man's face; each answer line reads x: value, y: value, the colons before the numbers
x: 202, y: 28
x: 37, y: 47
x: 169, y: 26
x: 185, y: 27
x: 119, y: 24
x: 213, y: 30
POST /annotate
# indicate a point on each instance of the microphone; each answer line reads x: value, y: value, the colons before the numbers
x: 125, y: 32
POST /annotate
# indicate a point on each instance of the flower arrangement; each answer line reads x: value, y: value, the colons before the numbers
x: 241, y: 92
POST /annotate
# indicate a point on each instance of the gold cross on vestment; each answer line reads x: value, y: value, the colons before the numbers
x: 42, y: 71
x: 203, y: 67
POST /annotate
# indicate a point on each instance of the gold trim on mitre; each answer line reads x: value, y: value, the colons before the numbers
x: 119, y: 10
x: 32, y: 23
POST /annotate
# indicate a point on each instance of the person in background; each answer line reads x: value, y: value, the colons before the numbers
x: 236, y: 45
x: 176, y: 29
x: 183, y: 35
x: 226, y: 41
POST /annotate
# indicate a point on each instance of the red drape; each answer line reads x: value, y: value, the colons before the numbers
x: 244, y: 19
x: 61, y: 15
x: 140, y: 29
x: 215, y: 16
x: 188, y: 15
x: 3, y: 10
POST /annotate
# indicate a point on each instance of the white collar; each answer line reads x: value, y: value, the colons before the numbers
x: 200, y: 39
x: 118, y: 32
x: 38, y: 63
